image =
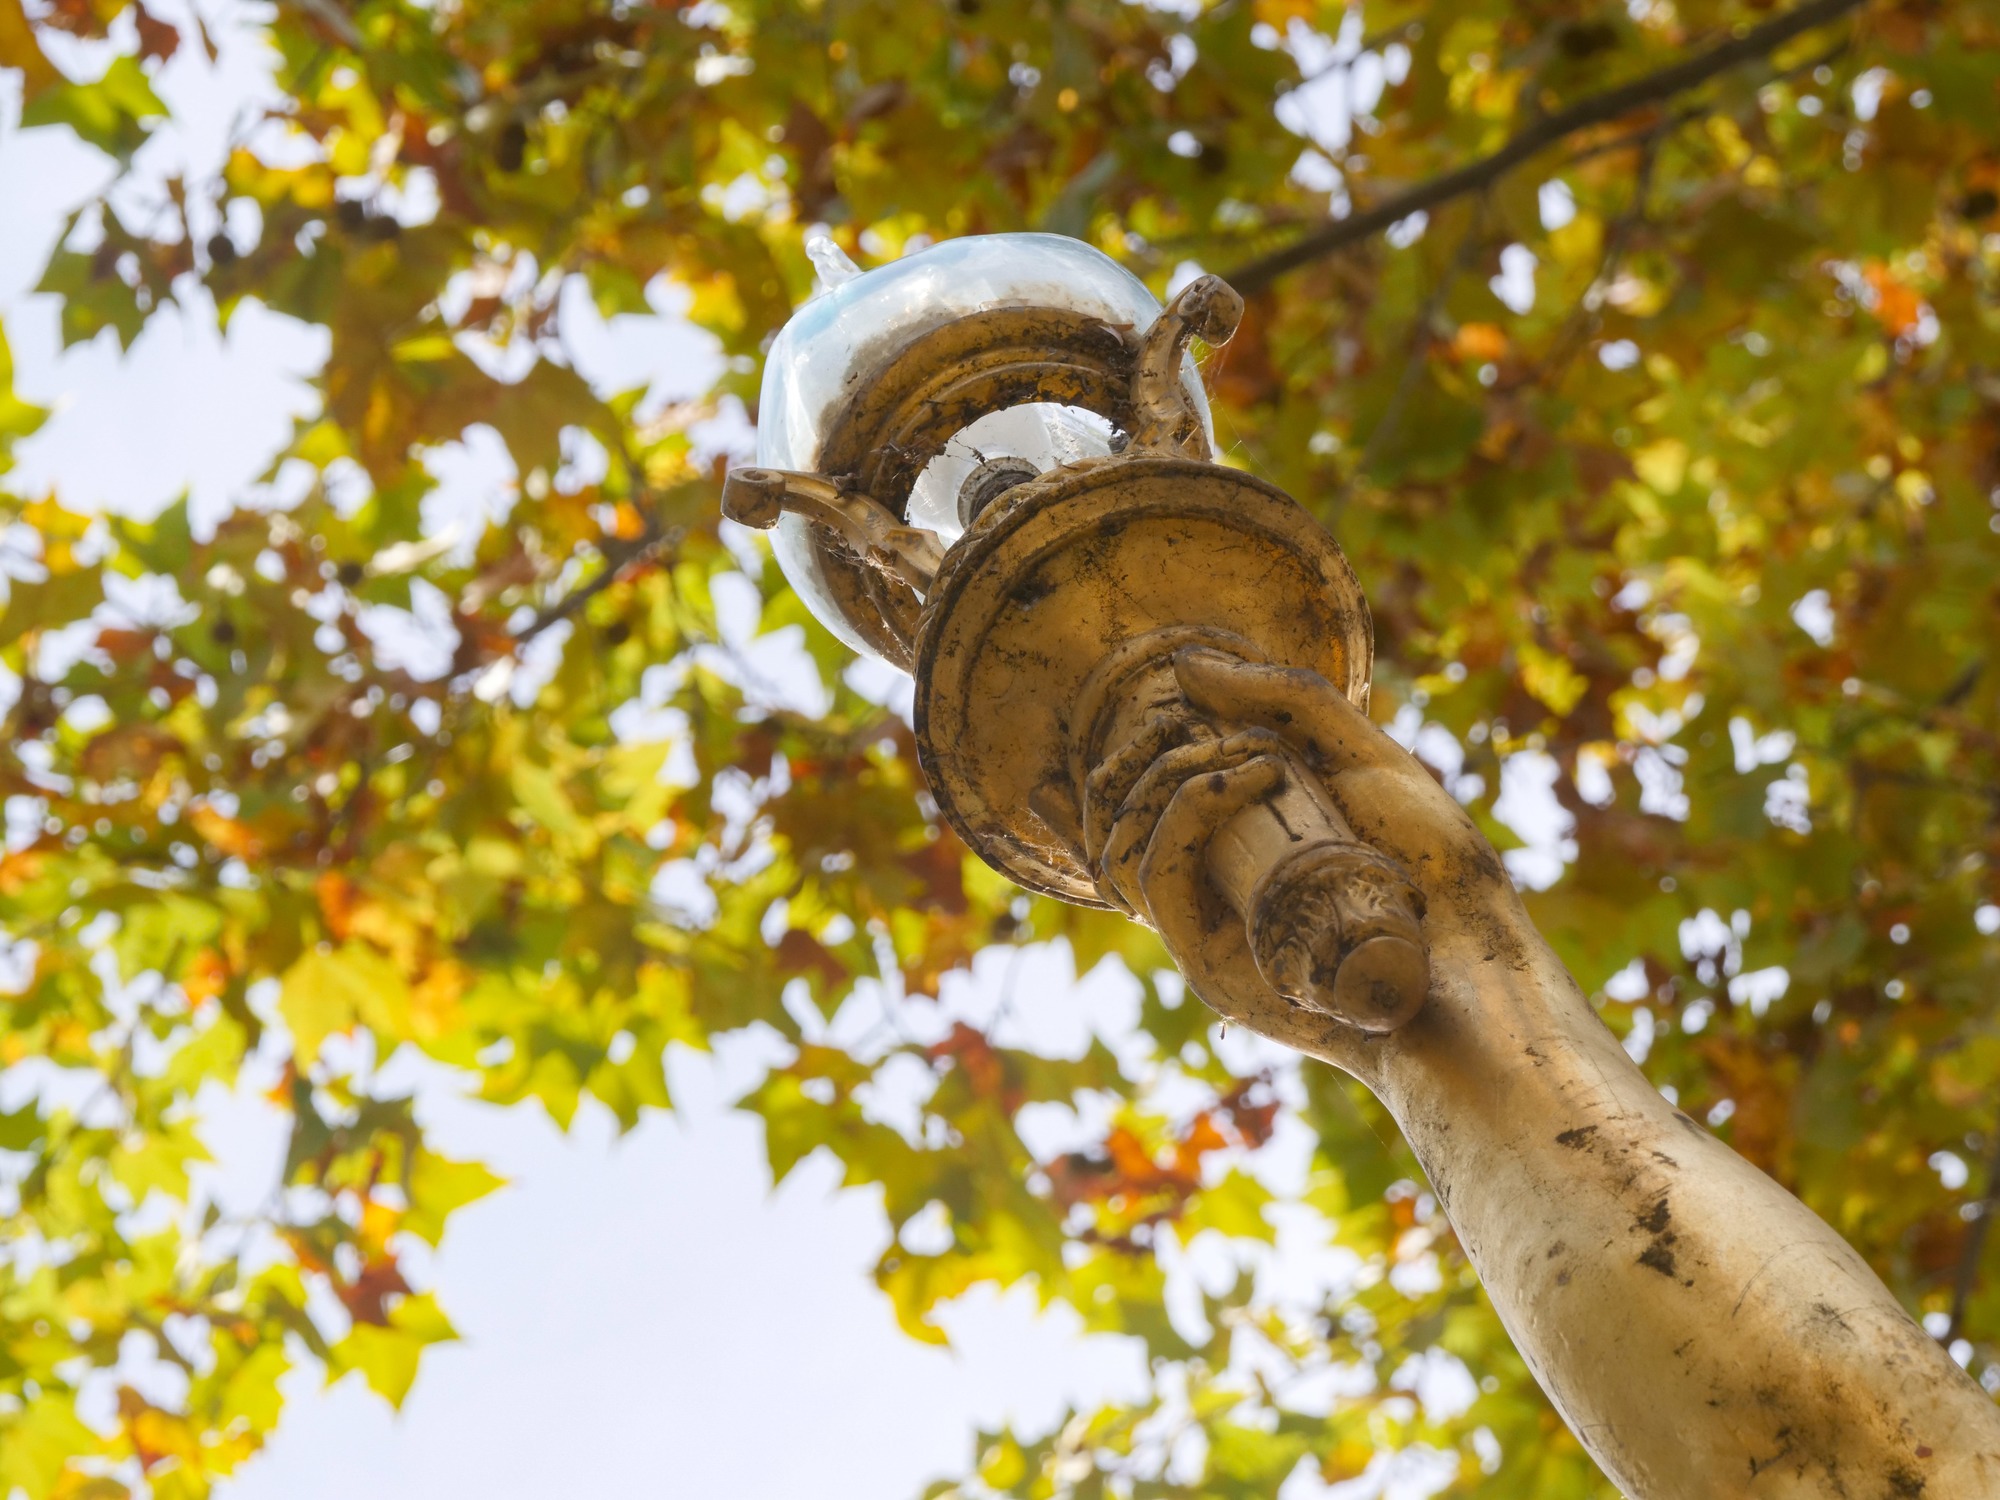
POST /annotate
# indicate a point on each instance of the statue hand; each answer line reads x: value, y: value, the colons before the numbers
x: 1558, y: 1162
x: 1154, y: 803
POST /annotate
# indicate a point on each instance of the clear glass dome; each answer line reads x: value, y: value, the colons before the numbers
x: 857, y: 318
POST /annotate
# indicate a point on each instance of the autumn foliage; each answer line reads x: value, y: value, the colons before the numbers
x: 1670, y: 459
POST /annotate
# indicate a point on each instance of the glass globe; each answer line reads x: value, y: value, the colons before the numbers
x: 844, y: 333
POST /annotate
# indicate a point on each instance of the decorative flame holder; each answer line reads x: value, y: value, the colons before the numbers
x: 991, y: 465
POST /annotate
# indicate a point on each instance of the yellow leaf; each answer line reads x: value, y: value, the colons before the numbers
x: 1551, y: 679
x: 437, y: 1187
x: 19, y: 46
x: 434, y: 999
x: 252, y: 1393
x: 1763, y: 172
x: 1663, y: 465
x: 329, y: 990
x: 160, y: 1434
x: 387, y: 1356
x: 1003, y: 1465
x: 75, y: 1486
x: 1728, y: 138
x: 426, y: 347
x: 322, y: 443
x: 542, y: 797
x: 228, y: 835
x: 1579, y: 242
x: 40, y: 1439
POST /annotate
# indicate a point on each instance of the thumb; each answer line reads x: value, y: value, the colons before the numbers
x: 1301, y: 707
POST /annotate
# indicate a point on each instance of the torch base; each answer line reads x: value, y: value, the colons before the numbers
x: 1060, y: 577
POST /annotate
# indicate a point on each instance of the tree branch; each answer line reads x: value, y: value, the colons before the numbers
x: 619, y: 559
x: 1599, y: 109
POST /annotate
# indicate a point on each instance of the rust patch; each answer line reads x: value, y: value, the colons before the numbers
x: 1659, y: 1256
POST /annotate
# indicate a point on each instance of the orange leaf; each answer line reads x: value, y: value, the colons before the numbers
x: 124, y: 646
x: 336, y: 902
x: 207, y: 976
x: 18, y: 870
x: 228, y: 835
x: 975, y: 1055
x: 630, y: 525
x: 1483, y: 341
x: 1130, y: 1157
x: 1897, y: 308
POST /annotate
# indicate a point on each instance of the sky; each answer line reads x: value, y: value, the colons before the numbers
x: 641, y: 1314
x: 638, y: 1314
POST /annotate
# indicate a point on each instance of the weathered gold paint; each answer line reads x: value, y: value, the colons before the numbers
x: 1141, y: 683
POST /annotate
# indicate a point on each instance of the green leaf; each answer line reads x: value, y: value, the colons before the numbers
x: 252, y: 1393
x: 329, y: 990
x: 1234, y: 1206
x: 60, y: 599
x: 387, y: 1356
x: 38, y: 1440
x: 109, y: 114
x: 438, y: 1187
x: 20, y: 1129
x: 18, y: 418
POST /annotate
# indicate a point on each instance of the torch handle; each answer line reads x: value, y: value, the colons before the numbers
x: 1333, y: 924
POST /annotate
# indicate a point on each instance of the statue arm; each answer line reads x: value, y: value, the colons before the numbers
x: 1699, y: 1328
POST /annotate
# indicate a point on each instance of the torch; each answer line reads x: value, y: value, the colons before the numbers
x: 991, y: 464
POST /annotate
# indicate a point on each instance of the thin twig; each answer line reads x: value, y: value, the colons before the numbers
x: 334, y: 20
x: 1006, y: 1002
x: 1975, y: 1244
x: 1599, y: 109
x: 618, y: 560
x: 1645, y: 135
x: 1694, y: 112
x: 1588, y: 317
x: 1372, y: 43
x: 1865, y: 774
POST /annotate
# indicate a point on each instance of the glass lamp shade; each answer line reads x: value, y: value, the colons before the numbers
x: 992, y: 464
x: 854, y: 327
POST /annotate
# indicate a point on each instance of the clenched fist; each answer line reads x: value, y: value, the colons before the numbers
x: 1244, y: 733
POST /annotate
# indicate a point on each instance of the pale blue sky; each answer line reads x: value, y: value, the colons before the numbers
x: 642, y: 1315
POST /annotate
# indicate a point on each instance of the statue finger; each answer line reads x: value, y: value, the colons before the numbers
x: 1172, y: 873
x: 1117, y: 865
x: 1111, y: 781
x: 1155, y: 785
x: 1307, y: 710
x: 1132, y: 823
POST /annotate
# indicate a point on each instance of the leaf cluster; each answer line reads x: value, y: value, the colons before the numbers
x: 1701, y: 536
